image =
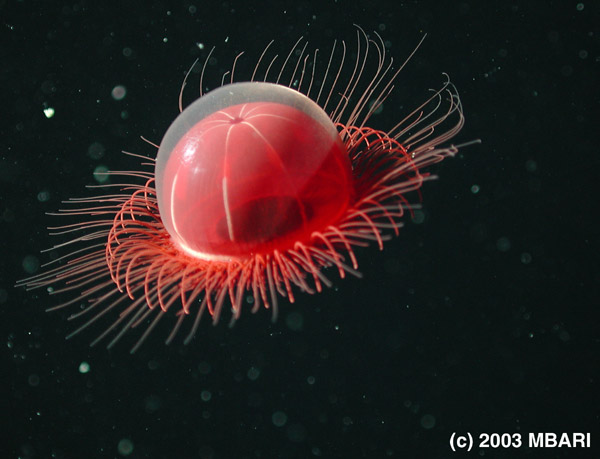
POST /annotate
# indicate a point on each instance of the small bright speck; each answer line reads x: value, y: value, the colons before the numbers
x: 200, y: 45
x: 84, y: 368
x: 49, y: 112
x: 119, y: 92
x: 125, y: 447
x: 475, y: 189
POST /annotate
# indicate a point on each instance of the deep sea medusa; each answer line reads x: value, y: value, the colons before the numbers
x: 257, y: 188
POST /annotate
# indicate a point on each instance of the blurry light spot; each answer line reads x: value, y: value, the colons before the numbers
x: 296, y: 433
x: 125, y: 447
x: 204, y: 368
x: 279, y: 418
x: 100, y: 174
x: 33, y: 380
x: 84, y: 368
x: 30, y: 264
x: 43, y: 196
x: 566, y: 70
x: 530, y: 165
x: 428, y: 421
x: 526, y: 258
x: 152, y: 404
x: 564, y: 336
x: 379, y: 108
x: 119, y: 92
x: 253, y: 373
x: 49, y: 112
x: 475, y: 189
x: 205, y: 395
x: 294, y: 321
x: 96, y: 150
x: 418, y: 217
x: 503, y: 244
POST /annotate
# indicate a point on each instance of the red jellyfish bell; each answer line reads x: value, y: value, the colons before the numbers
x: 258, y: 187
x: 251, y: 169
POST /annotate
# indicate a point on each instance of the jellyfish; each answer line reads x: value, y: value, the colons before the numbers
x: 260, y: 189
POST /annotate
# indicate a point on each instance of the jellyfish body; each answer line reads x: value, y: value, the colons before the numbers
x: 256, y: 190
x: 248, y: 169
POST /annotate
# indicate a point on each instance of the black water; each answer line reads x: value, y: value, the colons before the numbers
x: 482, y: 318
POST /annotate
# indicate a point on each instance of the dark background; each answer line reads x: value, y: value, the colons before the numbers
x: 481, y: 319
